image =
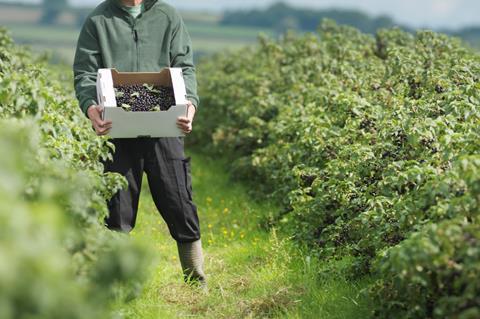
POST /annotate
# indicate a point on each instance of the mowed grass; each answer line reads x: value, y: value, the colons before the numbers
x: 32, y: 33
x: 207, y: 35
x: 225, y: 32
x: 38, y: 34
x: 252, y: 272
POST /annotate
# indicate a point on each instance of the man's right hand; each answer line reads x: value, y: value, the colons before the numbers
x: 102, y: 127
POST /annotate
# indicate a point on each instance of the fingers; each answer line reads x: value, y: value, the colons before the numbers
x: 187, y: 131
x: 102, y: 124
x: 184, y: 124
x: 102, y: 133
x: 103, y: 130
x: 183, y: 119
x: 102, y: 127
x: 186, y: 127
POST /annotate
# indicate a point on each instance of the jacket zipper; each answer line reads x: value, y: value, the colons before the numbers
x: 135, y: 35
x: 135, y: 39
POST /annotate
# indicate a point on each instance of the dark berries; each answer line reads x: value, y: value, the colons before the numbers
x: 439, y: 89
x: 367, y: 124
x: 144, y: 98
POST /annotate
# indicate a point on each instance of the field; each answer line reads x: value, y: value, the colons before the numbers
x: 253, y: 271
x: 337, y: 175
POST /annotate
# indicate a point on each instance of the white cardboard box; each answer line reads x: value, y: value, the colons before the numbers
x: 142, y: 124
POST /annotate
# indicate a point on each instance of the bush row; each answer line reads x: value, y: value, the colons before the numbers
x: 56, y: 258
x: 371, y: 143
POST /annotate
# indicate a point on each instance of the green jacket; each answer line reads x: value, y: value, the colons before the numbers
x: 112, y: 38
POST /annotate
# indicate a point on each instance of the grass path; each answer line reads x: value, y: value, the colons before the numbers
x: 253, y: 273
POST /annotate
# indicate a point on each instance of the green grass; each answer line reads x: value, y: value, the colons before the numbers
x: 200, y: 16
x: 253, y: 273
x: 247, y: 34
x: 38, y: 34
x: 207, y: 36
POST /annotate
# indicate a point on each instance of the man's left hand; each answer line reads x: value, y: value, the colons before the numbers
x: 185, y: 122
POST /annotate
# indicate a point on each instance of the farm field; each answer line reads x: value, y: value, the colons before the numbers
x: 337, y: 175
x: 253, y: 272
x: 59, y: 41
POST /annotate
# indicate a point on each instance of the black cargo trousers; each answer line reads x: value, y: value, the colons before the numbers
x: 169, y: 178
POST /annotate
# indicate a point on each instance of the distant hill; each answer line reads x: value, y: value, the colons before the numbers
x: 282, y: 16
x: 470, y: 35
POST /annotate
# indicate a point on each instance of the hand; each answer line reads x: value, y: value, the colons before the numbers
x: 95, y: 115
x: 185, y: 122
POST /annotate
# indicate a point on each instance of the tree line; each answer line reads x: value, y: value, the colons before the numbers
x: 282, y: 17
x: 51, y: 10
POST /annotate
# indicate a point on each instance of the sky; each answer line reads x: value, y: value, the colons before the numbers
x: 436, y: 14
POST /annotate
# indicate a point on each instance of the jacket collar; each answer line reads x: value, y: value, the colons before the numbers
x: 147, y: 3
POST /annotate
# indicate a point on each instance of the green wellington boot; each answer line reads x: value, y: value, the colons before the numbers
x: 191, y: 258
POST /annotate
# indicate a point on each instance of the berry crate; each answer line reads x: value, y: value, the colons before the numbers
x: 127, y: 124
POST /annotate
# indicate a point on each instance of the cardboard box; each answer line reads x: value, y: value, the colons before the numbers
x: 142, y: 124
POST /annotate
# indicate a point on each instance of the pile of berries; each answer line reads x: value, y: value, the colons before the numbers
x: 144, y: 98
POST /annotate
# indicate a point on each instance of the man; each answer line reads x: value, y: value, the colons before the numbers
x: 144, y: 36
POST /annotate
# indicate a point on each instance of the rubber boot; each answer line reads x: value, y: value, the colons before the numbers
x: 191, y: 258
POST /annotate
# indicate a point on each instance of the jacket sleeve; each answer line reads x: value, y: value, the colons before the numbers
x: 87, y: 61
x: 181, y: 56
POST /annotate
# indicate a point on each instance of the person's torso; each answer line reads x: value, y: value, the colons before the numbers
x: 134, y: 45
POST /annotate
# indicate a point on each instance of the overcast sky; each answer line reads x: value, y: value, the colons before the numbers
x: 417, y: 13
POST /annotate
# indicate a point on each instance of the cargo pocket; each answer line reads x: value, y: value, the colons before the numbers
x: 188, y: 176
x: 173, y: 147
x: 181, y: 173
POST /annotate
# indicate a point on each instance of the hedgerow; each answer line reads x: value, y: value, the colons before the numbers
x: 362, y: 138
x: 57, y: 260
